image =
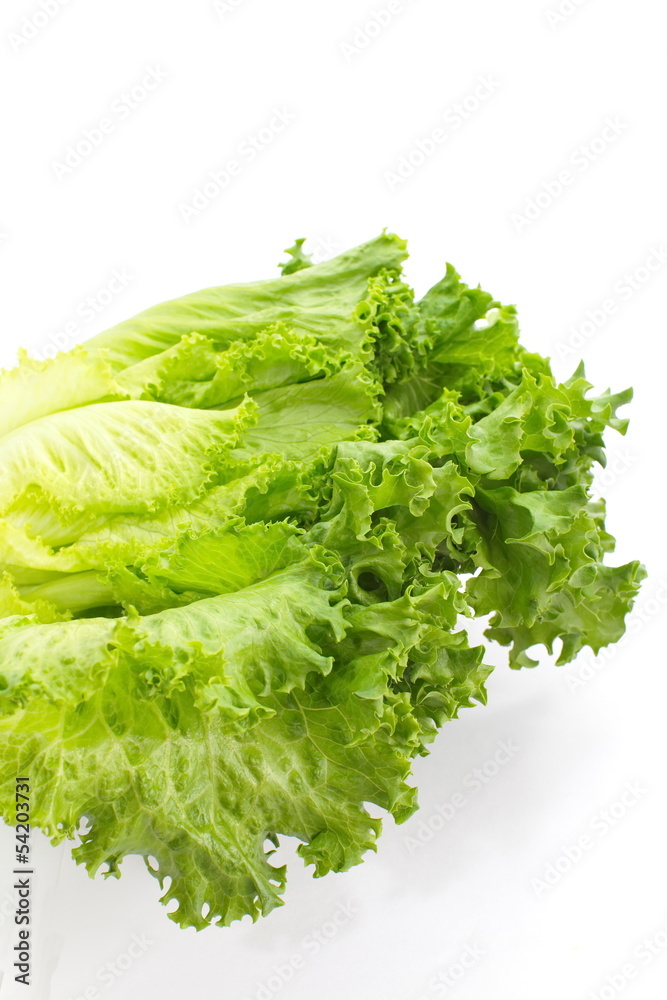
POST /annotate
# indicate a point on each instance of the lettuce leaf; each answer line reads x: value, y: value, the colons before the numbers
x: 239, y: 535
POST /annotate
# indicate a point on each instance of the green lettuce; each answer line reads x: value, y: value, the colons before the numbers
x: 239, y: 537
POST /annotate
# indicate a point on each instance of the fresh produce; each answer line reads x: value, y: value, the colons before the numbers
x: 238, y: 534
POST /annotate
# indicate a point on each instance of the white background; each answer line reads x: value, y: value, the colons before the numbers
x: 411, y: 911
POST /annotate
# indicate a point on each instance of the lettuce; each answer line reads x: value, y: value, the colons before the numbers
x: 239, y: 534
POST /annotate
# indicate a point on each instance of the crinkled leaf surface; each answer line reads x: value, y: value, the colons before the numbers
x: 238, y: 536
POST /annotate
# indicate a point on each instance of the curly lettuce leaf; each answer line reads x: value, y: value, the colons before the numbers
x: 187, y: 746
x: 320, y: 301
x: 239, y: 535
